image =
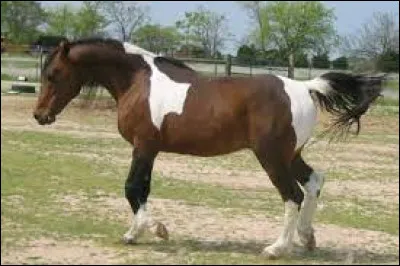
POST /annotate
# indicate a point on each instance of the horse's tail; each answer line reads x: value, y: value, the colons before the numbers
x: 345, y: 96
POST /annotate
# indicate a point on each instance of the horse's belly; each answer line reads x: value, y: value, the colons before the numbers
x: 204, y: 139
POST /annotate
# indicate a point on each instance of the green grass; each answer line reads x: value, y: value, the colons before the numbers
x: 8, y: 77
x: 387, y: 101
x: 33, y: 167
x: 392, y: 84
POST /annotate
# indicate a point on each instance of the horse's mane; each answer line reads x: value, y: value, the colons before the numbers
x: 99, y: 41
x: 112, y: 43
x: 173, y: 61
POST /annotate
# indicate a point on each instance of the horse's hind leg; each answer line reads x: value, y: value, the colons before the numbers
x: 312, y: 184
x: 137, y: 189
x: 276, y: 163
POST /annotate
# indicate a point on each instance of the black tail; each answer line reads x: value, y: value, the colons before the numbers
x: 345, y: 96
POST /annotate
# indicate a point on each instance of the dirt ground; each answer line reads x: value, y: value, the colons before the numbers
x: 207, y: 223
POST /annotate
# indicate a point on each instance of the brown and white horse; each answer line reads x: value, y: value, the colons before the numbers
x: 165, y: 106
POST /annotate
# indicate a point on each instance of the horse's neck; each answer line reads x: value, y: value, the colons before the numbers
x: 116, y: 80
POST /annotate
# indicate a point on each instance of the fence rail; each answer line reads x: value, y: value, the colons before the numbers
x: 16, y: 62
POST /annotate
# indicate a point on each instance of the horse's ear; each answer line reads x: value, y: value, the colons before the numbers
x: 64, y: 48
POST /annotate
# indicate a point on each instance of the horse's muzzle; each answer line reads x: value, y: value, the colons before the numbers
x: 44, y: 119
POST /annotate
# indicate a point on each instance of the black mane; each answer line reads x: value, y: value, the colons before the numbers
x: 173, y: 61
x: 99, y: 41
x: 119, y: 46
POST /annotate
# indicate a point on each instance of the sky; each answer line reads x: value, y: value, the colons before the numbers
x: 350, y: 15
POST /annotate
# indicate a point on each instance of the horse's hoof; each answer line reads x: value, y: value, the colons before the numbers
x: 310, y: 243
x: 274, y: 252
x: 308, y: 240
x: 128, y: 239
x: 162, y: 231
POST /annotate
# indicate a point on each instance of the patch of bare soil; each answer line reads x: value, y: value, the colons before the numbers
x: 219, y: 226
x: 50, y: 251
x: 17, y: 114
x: 379, y: 190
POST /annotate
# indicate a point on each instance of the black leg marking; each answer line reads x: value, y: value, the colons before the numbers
x: 300, y: 170
x: 137, y: 185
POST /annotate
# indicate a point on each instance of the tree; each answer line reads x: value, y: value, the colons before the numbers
x: 157, y: 38
x: 295, y: 27
x: 388, y: 62
x: 340, y: 63
x: 321, y: 61
x: 205, y: 27
x: 89, y: 21
x: 377, y: 38
x: 21, y: 19
x: 256, y: 11
x: 190, y: 50
x: 60, y: 21
x: 301, y: 60
x: 246, y: 54
x: 126, y: 17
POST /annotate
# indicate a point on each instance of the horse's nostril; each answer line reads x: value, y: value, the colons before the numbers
x: 36, y: 116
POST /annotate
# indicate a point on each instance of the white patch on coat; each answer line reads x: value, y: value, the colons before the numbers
x: 312, y: 189
x: 166, y: 95
x: 304, y: 111
x: 314, y: 184
x: 138, y: 225
x: 284, y: 243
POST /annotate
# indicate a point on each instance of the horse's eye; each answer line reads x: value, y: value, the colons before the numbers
x: 50, y: 77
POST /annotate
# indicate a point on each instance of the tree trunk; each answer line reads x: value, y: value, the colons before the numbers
x: 291, y: 65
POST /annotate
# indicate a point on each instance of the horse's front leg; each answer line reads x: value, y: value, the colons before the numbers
x: 137, y: 189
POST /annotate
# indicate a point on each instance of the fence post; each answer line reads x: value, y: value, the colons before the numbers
x: 309, y: 60
x: 41, y: 63
x: 228, y: 65
x: 251, y: 67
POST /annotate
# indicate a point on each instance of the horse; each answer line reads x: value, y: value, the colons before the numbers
x: 165, y: 106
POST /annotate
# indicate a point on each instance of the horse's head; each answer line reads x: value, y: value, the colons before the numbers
x: 59, y: 85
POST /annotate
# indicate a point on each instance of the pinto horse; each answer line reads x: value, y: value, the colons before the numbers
x: 165, y: 106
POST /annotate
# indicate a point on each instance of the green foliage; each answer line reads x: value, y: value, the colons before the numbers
x: 89, y: 21
x: 20, y: 20
x: 61, y: 20
x: 340, y: 63
x: 157, y: 38
x: 388, y: 61
x: 296, y: 27
x: 246, y: 54
x: 300, y: 25
x: 321, y: 61
x: 190, y: 50
x: 206, y: 28
x: 86, y: 21
x: 301, y: 60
